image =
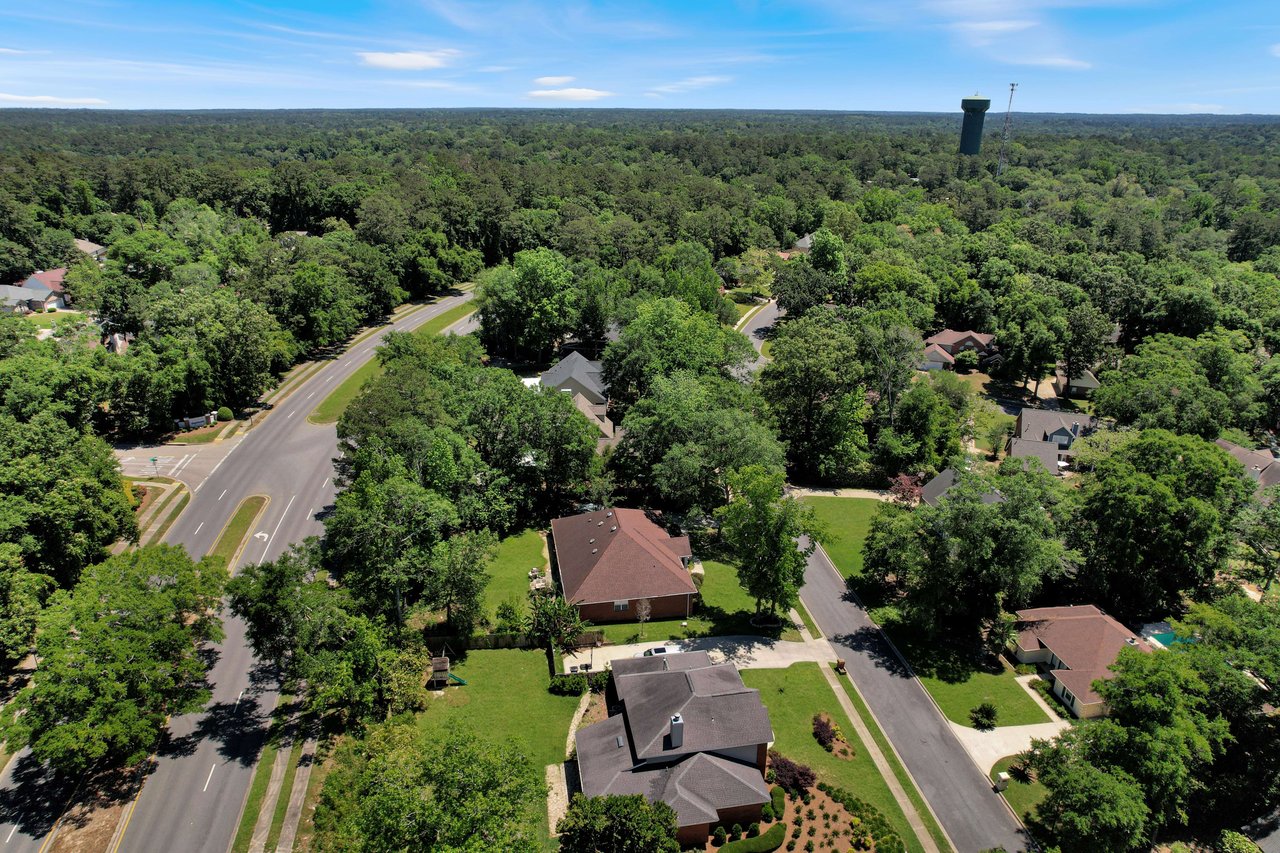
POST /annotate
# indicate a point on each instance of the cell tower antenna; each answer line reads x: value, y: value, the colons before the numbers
x: 1004, y: 135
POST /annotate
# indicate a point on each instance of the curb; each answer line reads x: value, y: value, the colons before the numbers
x: 746, y: 318
x: 915, y: 678
x: 244, y: 540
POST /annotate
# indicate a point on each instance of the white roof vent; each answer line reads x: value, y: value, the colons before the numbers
x: 609, y: 514
x: 613, y: 529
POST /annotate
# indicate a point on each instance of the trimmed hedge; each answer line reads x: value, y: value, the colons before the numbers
x: 766, y: 842
x: 598, y: 682
x: 568, y: 684
x: 779, y: 795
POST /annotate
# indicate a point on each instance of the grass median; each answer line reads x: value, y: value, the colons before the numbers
x: 332, y: 407
x: 232, y: 537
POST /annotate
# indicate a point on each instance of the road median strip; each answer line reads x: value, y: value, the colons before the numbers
x: 332, y: 406
x: 235, y: 533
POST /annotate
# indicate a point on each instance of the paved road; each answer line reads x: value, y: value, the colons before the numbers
x: 757, y: 329
x: 973, y: 815
x: 192, y: 800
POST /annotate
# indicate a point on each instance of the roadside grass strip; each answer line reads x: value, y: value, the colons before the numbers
x: 332, y: 406
x: 231, y: 539
x: 179, y: 506
x: 1022, y: 796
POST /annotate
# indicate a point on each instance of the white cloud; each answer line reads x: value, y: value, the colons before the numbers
x: 553, y: 81
x: 8, y: 51
x: 992, y: 27
x: 50, y: 100
x: 689, y: 84
x: 409, y: 60
x: 570, y: 94
x: 1054, y: 62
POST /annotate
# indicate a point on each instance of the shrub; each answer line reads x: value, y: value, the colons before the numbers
x: 1234, y: 842
x: 966, y: 360
x: 794, y: 777
x: 736, y: 832
x: 570, y: 684
x: 824, y: 732
x: 1025, y: 669
x: 779, y: 801
x: 791, y: 845
x: 753, y: 830
x: 765, y: 842
x: 984, y: 716
x: 808, y: 846
x: 225, y: 413
x: 766, y: 813
x: 598, y: 682
x: 719, y: 837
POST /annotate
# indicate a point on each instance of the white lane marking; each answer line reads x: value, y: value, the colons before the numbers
x: 286, y: 417
x: 184, y: 465
x: 197, y: 533
x: 210, y: 777
x: 238, y: 698
x: 328, y: 378
x: 312, y: 394
x: 175, y: 468
x: 223, y: 495
x: 277, y: 530
x: 11, y: 832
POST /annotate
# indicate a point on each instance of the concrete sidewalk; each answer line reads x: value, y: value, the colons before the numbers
x: 986, y: 748
x: 744, y: 651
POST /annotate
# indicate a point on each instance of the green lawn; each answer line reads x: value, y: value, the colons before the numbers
x: 332, y: 407
x: 726, y: 609
x: 45, y: 320
x: 201, y: 436
x: 510, y: 569
x: 986, y: 417
x: 793, y: 695
x: 506, y: 699
x: 847, y: 521
x: 1023, y: 797
x: 231, y: 537
x: 955, y: 683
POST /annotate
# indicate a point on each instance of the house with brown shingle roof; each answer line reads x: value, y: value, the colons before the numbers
x: 1077, y: 646
x: 684, y: 731
x: 608, y: 560
x: 1260, y: 465
x: 954, y: 343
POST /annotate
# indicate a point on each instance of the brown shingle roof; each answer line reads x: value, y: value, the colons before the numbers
x: 950, y: 337
x: 617, y: 555
x: 1086, y: 641
x: 1259, y: 464
x: 939, y: 354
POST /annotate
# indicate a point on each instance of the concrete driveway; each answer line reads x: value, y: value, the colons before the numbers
x: 744, y: 651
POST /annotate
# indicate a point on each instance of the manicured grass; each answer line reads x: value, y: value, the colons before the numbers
x: 987, y: 417
x: 510, y: 569
x: 201, y: 436
x: 808, y: 620
x: 506, y: 699
x: 231, y: 537
x: 726, y: 609
x: 178, y: 507
x: 847, y: 521
x: 1023, y: 797
x: 793, y: 695
x: 45, y: 320
x: 332, y: 407
x: 904, y: 779
x: 257, y: 791
x: 958, y: 692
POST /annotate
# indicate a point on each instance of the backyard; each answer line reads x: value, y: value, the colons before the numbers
x: 957, y: 680
x: 509, y: 571
x: 793, y: 695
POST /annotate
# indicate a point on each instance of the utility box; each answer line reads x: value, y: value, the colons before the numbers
x: 1002, y: 781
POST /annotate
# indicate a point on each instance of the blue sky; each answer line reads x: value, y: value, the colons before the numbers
x: 1067, y: 55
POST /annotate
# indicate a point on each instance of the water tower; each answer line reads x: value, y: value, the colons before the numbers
x: 975, y: 107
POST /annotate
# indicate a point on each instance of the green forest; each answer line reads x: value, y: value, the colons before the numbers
x: 1144, y: 249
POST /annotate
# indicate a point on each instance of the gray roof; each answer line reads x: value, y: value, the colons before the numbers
x: 937, y: 488
x: 719, y: 711
x: 1045, y: 451
x: 1086, y: 379
x: 697, y: 787
x: 679, y: 661
x: 576, y: 371
x: 10, y: 293
x: 1260, y: 465
x: 1039, y: 424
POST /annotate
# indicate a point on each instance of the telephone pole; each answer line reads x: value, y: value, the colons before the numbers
x: 1004, y: 136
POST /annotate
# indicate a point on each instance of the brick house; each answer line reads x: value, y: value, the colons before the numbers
x: 684, y: 731
x: 608, y: 560
x: 953, y: 342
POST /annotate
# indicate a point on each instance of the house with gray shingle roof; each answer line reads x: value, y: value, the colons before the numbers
x: 683, y: 731
x: 576, y: 374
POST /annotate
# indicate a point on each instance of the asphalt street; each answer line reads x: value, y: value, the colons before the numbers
x: 193, y: 798
x: 973, y: 815
x: 757, y: 329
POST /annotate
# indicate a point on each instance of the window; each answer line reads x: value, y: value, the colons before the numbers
x: 621, y: 606
x: 1068, y: 697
